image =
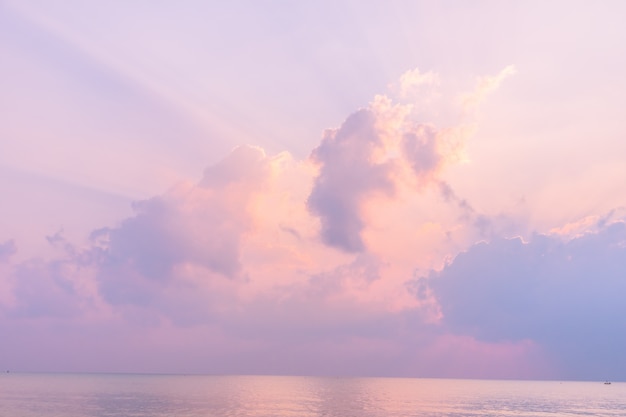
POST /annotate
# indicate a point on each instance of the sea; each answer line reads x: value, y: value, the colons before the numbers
x: 124, y: 395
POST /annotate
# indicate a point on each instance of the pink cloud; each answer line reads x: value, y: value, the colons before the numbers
x: 373, y: 152
x: 199, y: 224
x: 230, y: 271
x: 484, y: 86
x: 411, y: 81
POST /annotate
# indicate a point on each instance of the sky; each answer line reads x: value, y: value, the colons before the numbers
x: 351, y: 188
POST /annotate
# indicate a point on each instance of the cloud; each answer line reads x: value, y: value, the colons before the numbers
x: 374, y: 151
x: 190, y: 226
x: 44, y: 290
x: 361, y: 272
x: 567, y: 296
x: 348, y: 174
x: 237, y: 257
x: 428, y: 149
x: 412, y: 80
x: 484, y: 86
x: 488, y: 226
x: 7, y: 249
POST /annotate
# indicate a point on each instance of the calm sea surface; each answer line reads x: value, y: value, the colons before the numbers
x: 66, y: 395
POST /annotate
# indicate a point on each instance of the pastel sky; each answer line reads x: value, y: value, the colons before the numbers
x: 382, y: 188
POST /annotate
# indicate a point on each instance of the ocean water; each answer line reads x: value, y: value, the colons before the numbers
x: 113, y: 395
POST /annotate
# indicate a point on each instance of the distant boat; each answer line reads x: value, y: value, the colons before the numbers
x: 607, y: 382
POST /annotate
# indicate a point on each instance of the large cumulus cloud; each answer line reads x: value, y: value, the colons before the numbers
x: 375, y: 150
x: 198, y: 225
x: 564, y: 294
x: 230, y: 268
x: 347, y: 175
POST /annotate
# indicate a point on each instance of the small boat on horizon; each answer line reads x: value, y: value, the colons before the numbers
x: 607, y: 382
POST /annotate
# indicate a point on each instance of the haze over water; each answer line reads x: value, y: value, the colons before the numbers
x: 117, y: 395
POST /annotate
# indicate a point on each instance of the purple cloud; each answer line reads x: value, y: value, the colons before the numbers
x: 192, y: 224
x: 420, y: 149
x: 44, y: 289
x: 375, y: 151
x: 565, y: 295
x: 488, y: 226
x: 347, y: 175
x: 7, y: 249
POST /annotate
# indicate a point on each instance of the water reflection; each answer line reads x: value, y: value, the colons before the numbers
x: 259, y: 396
